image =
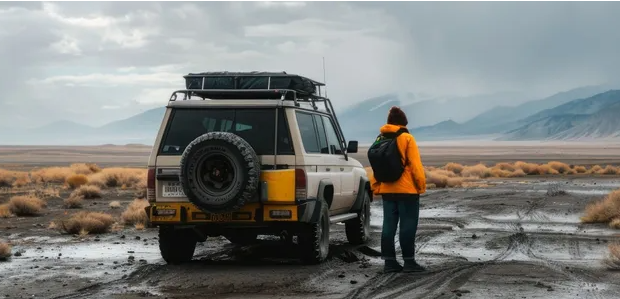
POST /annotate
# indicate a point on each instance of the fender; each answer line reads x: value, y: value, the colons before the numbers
x: 362, y: 191
x: 310, y: 211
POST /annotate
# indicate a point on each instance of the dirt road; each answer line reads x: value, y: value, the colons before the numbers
x: 511, y: 240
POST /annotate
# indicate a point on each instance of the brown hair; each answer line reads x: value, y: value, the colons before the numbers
x: 397, y: 117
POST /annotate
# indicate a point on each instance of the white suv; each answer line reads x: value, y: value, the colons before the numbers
x: 248, y: 154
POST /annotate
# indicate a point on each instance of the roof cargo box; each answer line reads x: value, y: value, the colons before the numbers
x: 251, y: 80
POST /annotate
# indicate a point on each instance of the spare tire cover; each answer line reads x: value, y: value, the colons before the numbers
x: 220, y: 172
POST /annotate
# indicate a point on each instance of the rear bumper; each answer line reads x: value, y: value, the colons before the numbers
x: 173, y: 213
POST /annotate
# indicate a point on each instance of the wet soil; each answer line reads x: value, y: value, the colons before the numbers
x: 509, y: 240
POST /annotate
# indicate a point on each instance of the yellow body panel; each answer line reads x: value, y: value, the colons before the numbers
x: 280, y: 185
x: 194, y: 215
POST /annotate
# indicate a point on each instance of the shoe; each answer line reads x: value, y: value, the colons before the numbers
x: 392, y: 266
x: 413, y: 266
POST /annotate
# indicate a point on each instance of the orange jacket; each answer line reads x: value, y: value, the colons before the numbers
x: 413, y: 180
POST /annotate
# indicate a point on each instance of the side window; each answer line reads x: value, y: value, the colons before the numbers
x: 332, y: 137
x: 320, y: 129
x: 308, y: 132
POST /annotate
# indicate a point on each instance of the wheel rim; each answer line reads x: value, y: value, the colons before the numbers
x: 216, y: 174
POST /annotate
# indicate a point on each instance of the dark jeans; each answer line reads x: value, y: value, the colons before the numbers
x: 406, y: 208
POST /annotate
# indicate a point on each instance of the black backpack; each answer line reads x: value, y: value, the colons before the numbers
x: 385, y: 158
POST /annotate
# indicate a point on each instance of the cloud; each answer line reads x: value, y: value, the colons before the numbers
x: 97, y: 56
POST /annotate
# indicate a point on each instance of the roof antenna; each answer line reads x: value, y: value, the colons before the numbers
x: 324, y: 78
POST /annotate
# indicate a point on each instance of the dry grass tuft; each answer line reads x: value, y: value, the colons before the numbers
x: 5, y: 211
x: 45, y: 193
x: 115, y: 204
x: 51, y: 175
x: 454, y: 167
x: 595, y: 169
x: 478, y: 170
x: 135, y: 212
x: 76, y: 180
x: 84, y: 168
x: 580, y: 169
x: 613, y: 258
x: 83, y: 223
x: 603, y: 211
x: 505, y: 166
x: 609, y: 170
x: 116, y: 177
x: 87, y: 192
x: 73, y: 202
x: 5, y: 251
x: 17, y: 179
x: 528, y: 168
x: 615, y: 223
x: 560, y: 167
x: 52, y: 225
x: 139, y: 226
x: 26, y: 205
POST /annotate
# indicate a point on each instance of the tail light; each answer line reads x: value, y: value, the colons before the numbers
x: 300, y: 184
x: 150, y: 185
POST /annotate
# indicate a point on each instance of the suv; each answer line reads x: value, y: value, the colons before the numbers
x: 248, y: 154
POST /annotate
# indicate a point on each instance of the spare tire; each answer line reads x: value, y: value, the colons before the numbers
x: 220, y: 172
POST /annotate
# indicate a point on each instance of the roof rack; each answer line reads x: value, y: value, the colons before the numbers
x: 257, y: 86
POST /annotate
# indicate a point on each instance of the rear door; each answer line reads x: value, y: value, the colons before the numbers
x: 343, y: 168
x: 255, y: 125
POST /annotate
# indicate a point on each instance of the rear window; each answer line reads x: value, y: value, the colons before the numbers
x: 256, y: 126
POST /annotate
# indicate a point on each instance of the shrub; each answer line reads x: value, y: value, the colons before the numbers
x: 608, y: 170
x: 505, y: 166
x: 478, y: 170
x: 13, y: 178
x: 603, y: 211
x: 546, y: 169
x: 528, y: 168
x: 135, y: 212
x: 115, y: 204
x: 87, y: 192
x: 76, y: 180
x: 5, y: 251
x: 454, y: 167
x: 580, y: 169
x: 73, y: 202
x: 26, y: 205
x: 5, y: 211
x: 51, y: 175
x: 613, y: 258
x: 560, y: 167
x: 116, y: 177
x: 88, y: 223
x: 595, y: 169
x: 84, y: 168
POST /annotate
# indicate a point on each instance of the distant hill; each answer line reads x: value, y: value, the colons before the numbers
x: 592, y: 117
x: 138, y: 129
x: 363, y: 120
x: 501, y: 119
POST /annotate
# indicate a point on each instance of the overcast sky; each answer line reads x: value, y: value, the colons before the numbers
x: 97, y: 62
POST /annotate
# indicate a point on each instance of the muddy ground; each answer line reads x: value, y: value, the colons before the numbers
x: 510, y: 240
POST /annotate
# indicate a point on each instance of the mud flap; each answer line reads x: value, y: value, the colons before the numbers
x: 310, y: 211
x: 363, y: 188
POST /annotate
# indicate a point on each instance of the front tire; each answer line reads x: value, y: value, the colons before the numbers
x: 358, y: 229
x: 314, y: 240
x: 177, y: 246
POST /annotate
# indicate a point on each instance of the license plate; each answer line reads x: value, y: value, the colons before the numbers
x: 221, y: 217
x: 172, y: 189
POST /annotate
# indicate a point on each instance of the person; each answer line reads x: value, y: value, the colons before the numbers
x: 401, y: 198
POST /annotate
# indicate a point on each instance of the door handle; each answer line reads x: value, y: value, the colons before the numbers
x: 341, y: 168
x: 327, y: 169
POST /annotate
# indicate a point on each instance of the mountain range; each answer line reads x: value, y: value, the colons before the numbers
x: 582, y: 113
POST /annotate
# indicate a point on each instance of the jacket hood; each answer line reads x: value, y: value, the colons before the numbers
x: 387, y: 128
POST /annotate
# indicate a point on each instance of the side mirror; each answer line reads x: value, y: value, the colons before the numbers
x: 352, y: 147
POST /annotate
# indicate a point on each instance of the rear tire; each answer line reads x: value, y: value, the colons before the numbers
x: 358, y: 229
x: 314, y: 239
x: 176, y: 245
